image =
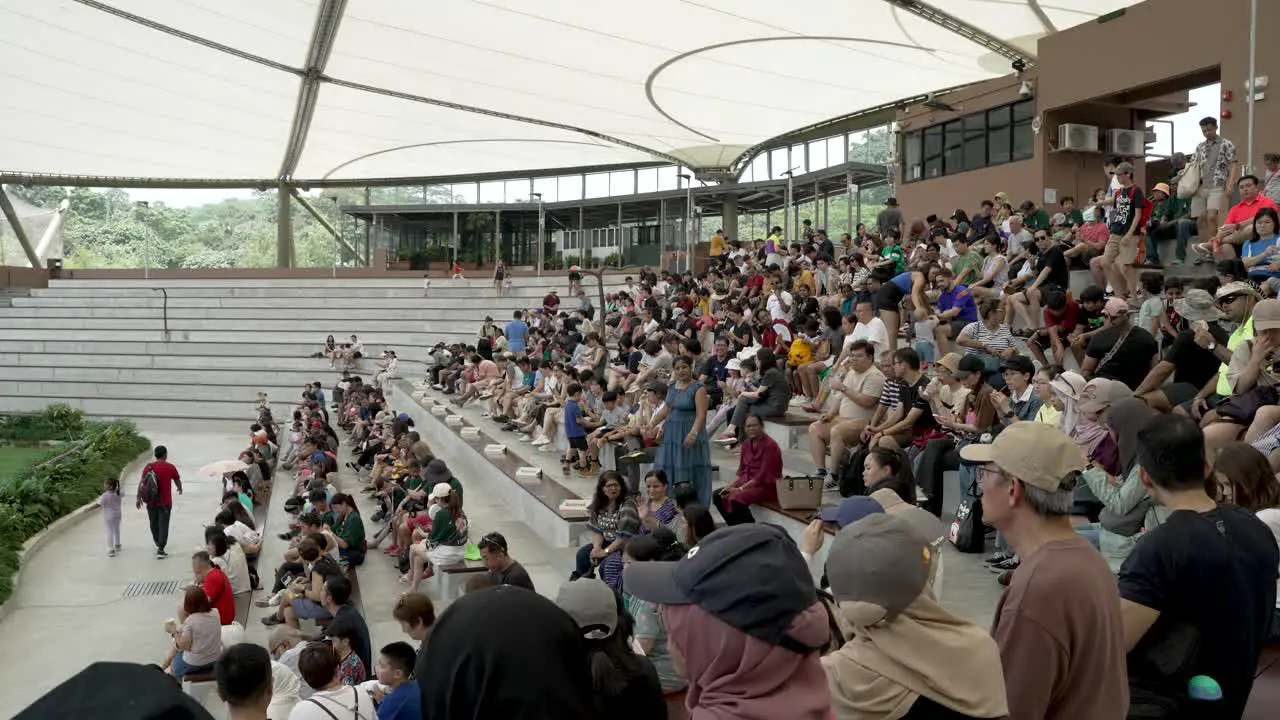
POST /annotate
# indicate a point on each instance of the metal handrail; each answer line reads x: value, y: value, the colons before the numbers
x: 165, y: 310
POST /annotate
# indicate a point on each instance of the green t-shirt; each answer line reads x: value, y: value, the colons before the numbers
x: 1038, y: 220
x: 1075, y: 217
x: 351, y: 530
x: 968, y: 261
x: 443, y: 530
x: 895, y: 252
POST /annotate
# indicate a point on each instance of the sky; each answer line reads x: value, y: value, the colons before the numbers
x: 1186, y: 135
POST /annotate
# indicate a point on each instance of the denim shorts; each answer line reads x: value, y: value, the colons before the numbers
x: 308, y: 609
x: 181, y: 667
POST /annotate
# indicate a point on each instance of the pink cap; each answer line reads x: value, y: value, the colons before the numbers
x: 1115, y: 306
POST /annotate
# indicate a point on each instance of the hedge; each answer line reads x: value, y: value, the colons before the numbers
x: 61, y: 481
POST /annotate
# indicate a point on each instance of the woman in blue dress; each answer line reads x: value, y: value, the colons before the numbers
x: 685, y: 453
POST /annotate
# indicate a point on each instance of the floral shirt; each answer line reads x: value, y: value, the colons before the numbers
x: 351, y: 670
x: 1222, y: 152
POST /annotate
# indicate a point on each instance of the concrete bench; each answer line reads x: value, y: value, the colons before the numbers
x: 790, y: 428
x: 448, y: 577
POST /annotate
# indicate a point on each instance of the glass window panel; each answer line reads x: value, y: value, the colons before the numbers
x: 836, y: 148
x: 1024, y: 110
x: 912, y: 152
x: 622, y: 182
x: 1023, y: 140
x: 493, y: 192
x: 760, y: 168
x: 797, y: 160
x: 597, y: 185
x: 517, y: 191
x: 998, y: 145
x: 779, y: 165
x: 547, y: 186
x: 858, y: 150
x: 465, y: 193
x: 647, y: 180
x: 667, y: 177
x: 953, y: 148
x: 933, y: 141
x: 570, y: 188
x: 974, y: 128
x: 818, y: 155
x: 998, y: 118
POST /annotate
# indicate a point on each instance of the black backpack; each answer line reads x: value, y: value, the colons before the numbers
x: 849, y: 472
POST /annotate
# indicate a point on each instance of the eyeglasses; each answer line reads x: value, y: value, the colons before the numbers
x: 1229, y: 299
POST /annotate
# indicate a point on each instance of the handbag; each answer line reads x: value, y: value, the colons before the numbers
x: 966, y: 532
x: 1189, y: 182
x: 1242, y: 408
x: 800, y: 493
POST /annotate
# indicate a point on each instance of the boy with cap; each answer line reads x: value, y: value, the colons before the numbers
x: 1120, y: 351
x: 1058, y: 625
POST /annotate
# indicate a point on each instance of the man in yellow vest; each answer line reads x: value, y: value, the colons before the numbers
x: 1236, y: 300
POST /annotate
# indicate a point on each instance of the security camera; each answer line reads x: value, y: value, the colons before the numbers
x: 1024, y: 90
x: 1019, y: 65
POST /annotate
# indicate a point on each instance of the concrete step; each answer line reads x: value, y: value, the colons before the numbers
x: 386, y: 325
x: 299, y: 351
x: 289, y: 306
x: 308, y: 341
x: 105, y: 372
x: 159, y: 407
x: 241, y: 394
x: 551, y: 279
x: 441, y: 291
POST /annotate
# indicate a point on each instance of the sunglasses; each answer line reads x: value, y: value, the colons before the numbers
x: 1229, y: 299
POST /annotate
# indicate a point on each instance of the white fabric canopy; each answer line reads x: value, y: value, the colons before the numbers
x: 209, y: 89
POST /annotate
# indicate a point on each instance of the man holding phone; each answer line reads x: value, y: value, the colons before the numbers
x: 859, y: 393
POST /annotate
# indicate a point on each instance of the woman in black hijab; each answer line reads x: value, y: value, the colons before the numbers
x: 508, y: 653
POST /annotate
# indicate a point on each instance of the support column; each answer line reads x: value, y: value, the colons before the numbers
x: 497, y: 236
x: 284, y: 227
x: 584, y: 245
x: 12, y: 216
x: 729, y: 211
x: 455, y: 237
x: 848, y: 208
x: 621, y: 249
x: 662, y: 231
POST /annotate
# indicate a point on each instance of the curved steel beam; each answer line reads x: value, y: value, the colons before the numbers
x: 323, y: 36
x: 1042, y: 16
x: 648, y: 83
x: 963, y: 29
x: 450, y: 142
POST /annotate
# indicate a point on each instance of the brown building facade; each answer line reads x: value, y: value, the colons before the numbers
x: 1117, y: 74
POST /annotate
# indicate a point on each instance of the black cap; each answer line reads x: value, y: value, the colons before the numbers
x: 1019, y: 363
x: 968, y: 365
x: 751, y: 577
x: 117, y: 691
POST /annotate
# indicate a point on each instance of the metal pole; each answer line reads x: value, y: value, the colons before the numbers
x: 1253, y: 76
x: 662, y: 231
x: 688, y: 226
x: 787, y: 231
x: 620, y: 248
x: 584, y: 247
x: 324, y: 221
x: 542, y: 227
x: 497, y: 236
x: 455, y: 238
x: 12, y: 216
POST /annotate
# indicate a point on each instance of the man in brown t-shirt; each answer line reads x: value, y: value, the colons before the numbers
x: 1058, y: 626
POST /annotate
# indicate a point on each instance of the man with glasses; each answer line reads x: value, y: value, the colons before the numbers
x: 1058, y: 625
x: 1236, y: 300
x: 1052, y: 275
x: 503, y: 569
x: 1120, y: 351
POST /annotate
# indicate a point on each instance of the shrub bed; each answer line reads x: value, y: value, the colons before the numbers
x: 62, y: 480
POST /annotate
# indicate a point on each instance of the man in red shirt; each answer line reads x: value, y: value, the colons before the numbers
x: 216, y: 586
x: 1239, y: 226
x: 158, y: 509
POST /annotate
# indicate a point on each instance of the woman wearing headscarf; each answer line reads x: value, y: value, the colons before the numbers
x: 743, y: 618
x: 908, y: 657
x: 1071, y: 389
x: 506, y: 653
x: 285, y: 686
x: 1127, y: 509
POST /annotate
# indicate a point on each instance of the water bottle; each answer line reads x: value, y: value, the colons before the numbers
x: 1205, y: 697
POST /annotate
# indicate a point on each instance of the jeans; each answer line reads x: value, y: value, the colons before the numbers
x: 1179, y: 230
x: 353, y: 556
x: 1090, y: 532
x: 159, y: 517
x: 181, y: 667
x: 582, y: 561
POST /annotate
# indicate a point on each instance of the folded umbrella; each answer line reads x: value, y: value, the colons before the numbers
x: 222, y: 467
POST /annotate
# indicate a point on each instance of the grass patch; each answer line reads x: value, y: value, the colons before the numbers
x: 15, y: 458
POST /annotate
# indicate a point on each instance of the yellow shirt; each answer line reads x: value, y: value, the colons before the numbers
x: 806, y: 278
x: 800, y: 352
x: 717, y: 245
x: 1241, y: 334
x: 1049, y: 415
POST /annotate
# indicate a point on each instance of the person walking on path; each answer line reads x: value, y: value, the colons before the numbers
x: 155, y: 490
x: 109, y: 501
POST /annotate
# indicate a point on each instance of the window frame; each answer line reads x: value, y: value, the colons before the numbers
x: 999, y: 135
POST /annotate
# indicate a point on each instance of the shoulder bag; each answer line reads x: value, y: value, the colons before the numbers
x: 1189, y: 182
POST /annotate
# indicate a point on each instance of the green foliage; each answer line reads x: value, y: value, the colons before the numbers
x: 55, y: 422
x: 50, y: 488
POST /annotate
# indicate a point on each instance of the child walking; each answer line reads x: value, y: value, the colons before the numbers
x: 109, y: 501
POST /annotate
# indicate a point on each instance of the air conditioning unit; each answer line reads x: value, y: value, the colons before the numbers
x: 1082, y: 138
x: 1129, y: 143
x: 914, y: 172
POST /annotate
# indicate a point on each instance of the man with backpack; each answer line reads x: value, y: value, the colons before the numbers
x: 155, y: 490
x: 1130, y: 211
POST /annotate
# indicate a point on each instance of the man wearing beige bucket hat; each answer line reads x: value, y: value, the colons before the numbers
x: 1187, y: 360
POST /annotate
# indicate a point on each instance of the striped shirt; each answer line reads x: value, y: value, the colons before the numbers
x: 891, y: 395
x: 995, y: 340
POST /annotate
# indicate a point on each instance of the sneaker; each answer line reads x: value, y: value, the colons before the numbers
x: 832, y: 483
x: 160, y: 553
x: 798, y: 401
x: 272, y: 620
x: 541, y: 441
x: 117, y: 547
x: 998, y: 557
x: 263, y: 603
x: 285, y: 536
x: 111, y: 553
x: 500, y: 419
x: 1009, y: 564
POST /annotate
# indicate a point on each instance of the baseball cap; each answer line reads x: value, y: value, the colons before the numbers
x: 733, y: 364
x: 880, y: 563
x: 969, y: 364
x: 925, y: 522
x: 1036, y: 453
x: 1019, y: 363
x: 1102, y: 394
x: 751, y: 577
x: 1115, y: 306
x: 850, y: 510
x: 441, y: 490
x: 592, y: 605
x: 1266, y: 315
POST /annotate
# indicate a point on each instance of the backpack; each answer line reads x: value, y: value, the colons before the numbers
x: 149, y: 485
x: 849, y: 472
